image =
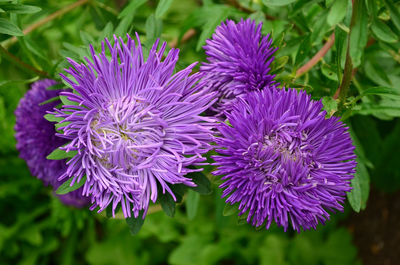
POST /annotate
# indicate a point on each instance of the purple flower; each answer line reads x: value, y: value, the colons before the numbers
x: 282, y: 160
x: 239, y: 59
x: 36, y: 138
x: 135, y: 124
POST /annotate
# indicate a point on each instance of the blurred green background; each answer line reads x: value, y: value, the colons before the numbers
x: 36, y: 228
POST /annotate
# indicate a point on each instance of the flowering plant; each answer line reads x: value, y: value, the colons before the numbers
x: 179, y: 121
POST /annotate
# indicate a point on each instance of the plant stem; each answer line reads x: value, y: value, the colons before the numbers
x: 7, y: 43
x: 317, y: 57
x: 342, y: 90
x: 24, y: 66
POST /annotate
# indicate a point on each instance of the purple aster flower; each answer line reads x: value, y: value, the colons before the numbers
x: 282, y: 160
x: 135, y: 124
x: 36, y: 138
x: 239, y: 59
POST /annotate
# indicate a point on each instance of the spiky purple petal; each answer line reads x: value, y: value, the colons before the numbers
x: 135, y: 124
x: 281, y: 160
x: 239, y: 59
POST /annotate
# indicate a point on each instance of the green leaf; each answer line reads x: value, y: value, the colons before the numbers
x: 20, y: 9
x: 376, y: 74
x: 303, y: 50
x: 153, y: 29
x: 86, y: 38
x: 383, y: 31
x: 163, y: 7
x: 192, y: 204
x: 61, y: 125
x: 6, y: 27
x: 359, y: 34
x: 131, y: 8
x: 354, y: 196
x: 391, y: 110
x: 52, y: 118
x: 123, y: 26
x: 382, y: 91
x: 179, y: 191
x: 202, y: 182
x: 277, y: 2
x: 66, y: 186
x: 340, y: 44
x: 329, y: 72
x: 358, y: 196
x: 135, y: 224
x: 49, y: 100
x: 337, y: 12
x: 217, y: 13
x: 230, y: 209
x: 106, y: 32
x: 330, y: 105
x: 167, y: 204
x: 394, y: 13
x: 67, y: 102
x: 59, y: 154
x: 56, y: 87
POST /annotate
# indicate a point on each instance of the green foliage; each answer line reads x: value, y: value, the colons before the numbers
x: 69, y: 185
x: 38, y: 229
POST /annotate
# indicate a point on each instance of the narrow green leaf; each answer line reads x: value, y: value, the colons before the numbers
x: 135, y: 224
x: 6, y: 27
x: 50, y: 100
x: 303, y: 50
x: 382, y: 91
x: 394, y: 13
x: 230, y: 209
x: 97, y: 17
x: 163, y: 7
x: 383, y: 31
x: 217, y: 14
x: 130, y: 9
x: 354, y: 196
x: 277, y: 2
x: 107, y: 31
x: 123, y: 26
x: 33, y: 48
x: 337, y: 12
x: 167, y: 204
x: 340, y: 44
x: 376, y: 74
x: 153, y: 29
x: 192, y: 204
x: 359, y: 34
x: 52, y: 118
x: 378, y: 109
x: 202, y: 182
x: 66, y: 186
x: 86, y: 38
x: 59, y: 154
x: 56, y: 87
x: 62, y: 125
x: 358, y: 196
x: 66, y: 101
x: 20, y: 9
